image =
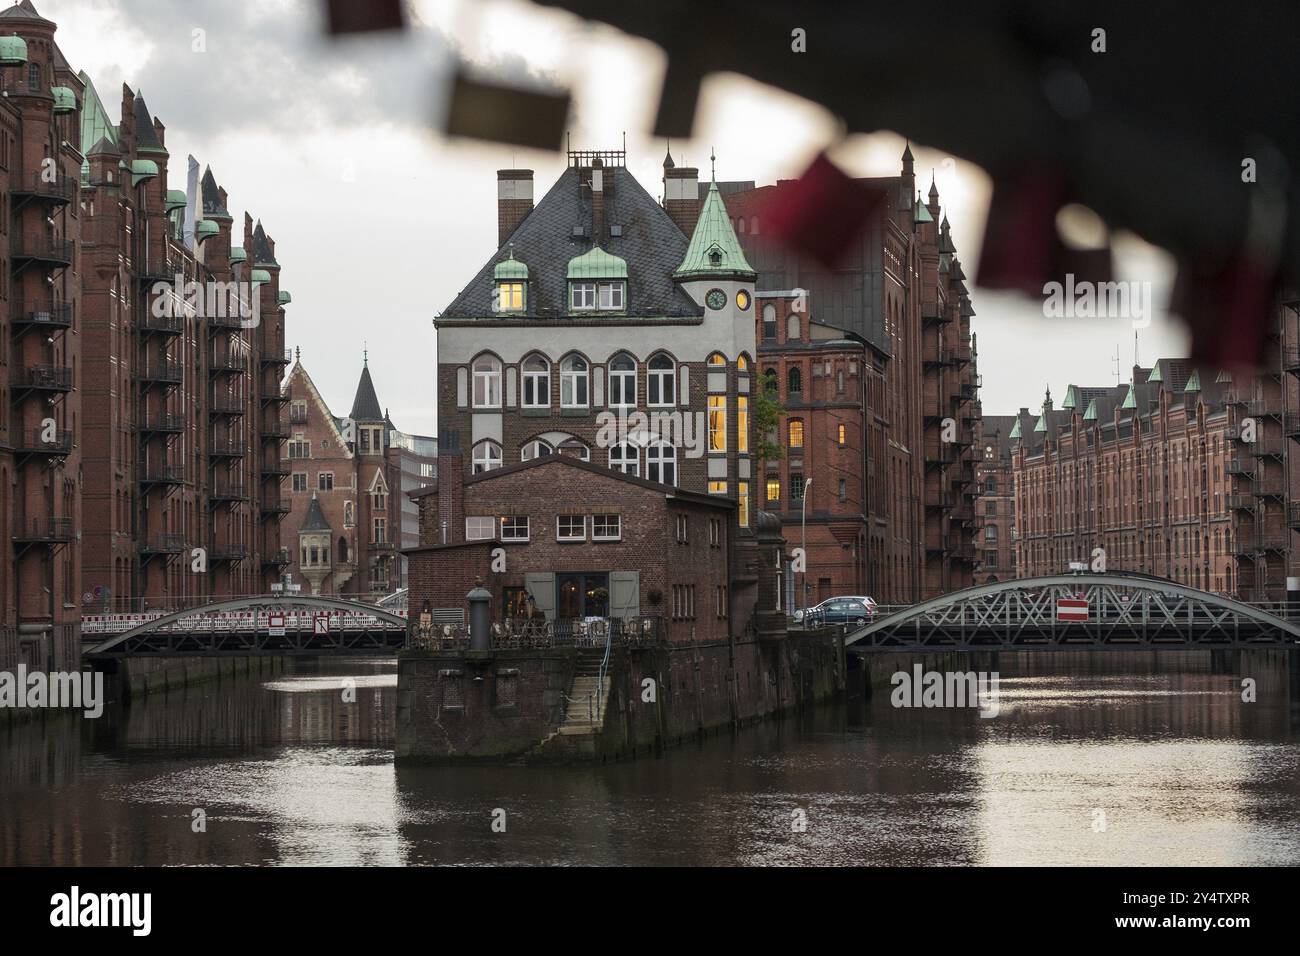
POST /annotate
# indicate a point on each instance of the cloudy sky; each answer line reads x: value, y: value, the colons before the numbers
x: 379, y: 221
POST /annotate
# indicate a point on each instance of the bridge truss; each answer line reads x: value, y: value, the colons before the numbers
x: 1119, y: 612
x: 262, y: 626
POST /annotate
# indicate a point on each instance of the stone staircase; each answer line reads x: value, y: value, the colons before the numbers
x: 582, y: 716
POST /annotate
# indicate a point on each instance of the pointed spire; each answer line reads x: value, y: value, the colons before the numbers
x: 907, y: 153
x: 934, y: 190
x: 714, y: 251
x: 668, y: 156
x: 713, y: 163
x: 365, y: 406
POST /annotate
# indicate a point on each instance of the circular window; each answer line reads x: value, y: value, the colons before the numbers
x: 716, y: 299
x: 742, y: 300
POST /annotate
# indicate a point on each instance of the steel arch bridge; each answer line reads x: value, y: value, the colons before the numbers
x: 1118, y: 611
x: 252, y: 626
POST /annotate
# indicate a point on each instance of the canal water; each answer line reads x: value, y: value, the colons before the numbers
x: 1126, y: 759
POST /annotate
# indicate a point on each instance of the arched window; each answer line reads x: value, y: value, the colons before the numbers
x: 572, y: 446
x: 574, y: 375
x: 717, y: 360
x: 625, y: 457
x: 487, y: 455
x: 487, y: 382
x: 33, y: 76
x: 792, y: 333
x: 622, y: 381
x: 771, y: 382
x: 795, y: 432
x: 537, y: 382
x: 661, y: 463
x: 769, y: 323
x: 753, y: 226
x: 661, y: 381
x: 537, y: 448
x: 794, y: 381
x: 742, y: 363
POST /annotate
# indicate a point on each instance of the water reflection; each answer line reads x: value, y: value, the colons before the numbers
x: 292, y: 770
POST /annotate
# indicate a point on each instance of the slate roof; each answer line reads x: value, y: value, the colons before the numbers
x: 145, y: 137
x: 997, y: 433
x: 365, y: 406
x: 262, y: 255
x: 651, y: 244
x: 315, y: 520
x: 21, y: 11
x: 212, y: 205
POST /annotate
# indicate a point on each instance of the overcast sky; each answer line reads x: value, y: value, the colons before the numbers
x: 379, y: 222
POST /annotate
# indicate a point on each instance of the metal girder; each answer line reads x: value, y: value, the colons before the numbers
x: 186, y: 632
x: 1123, y: 611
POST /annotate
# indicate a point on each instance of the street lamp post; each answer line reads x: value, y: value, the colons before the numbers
x: 803, y: 542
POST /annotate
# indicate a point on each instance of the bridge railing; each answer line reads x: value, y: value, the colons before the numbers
x: 232, y: 621
x: 522, y: 633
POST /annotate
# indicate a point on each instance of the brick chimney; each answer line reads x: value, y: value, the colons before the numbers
x: 514, y: 200
x: 682, y: 195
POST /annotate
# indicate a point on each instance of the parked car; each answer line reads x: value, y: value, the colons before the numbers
x: 849, y: 609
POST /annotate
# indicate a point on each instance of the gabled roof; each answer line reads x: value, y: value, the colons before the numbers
x: 297, y: 370
x: 365, y: 406
x: 315, y: 519
x: 714, y: 250
x: 213, y: 208
x: 650, y: 244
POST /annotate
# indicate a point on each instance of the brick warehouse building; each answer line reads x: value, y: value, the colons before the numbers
x: 613, y: 545
x: 996, y: 505
x: 1182, y: 473
x: 822, y: 376
x: 901, y: 288
x: 596, y: 306
x: 40, y: 461
x: 350, y: 513
x: 184, y: 430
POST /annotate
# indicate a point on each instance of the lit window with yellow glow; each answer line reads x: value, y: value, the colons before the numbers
x: 742, y: 425
x: 717, y: 487
x: 774, y: 489
x: 717, y: 359
x: 742, y: 363
x: 796, y: 433
x: 510, y: 297
x: 843, y: 434
x: 717, y: 423
x: 742, y: 501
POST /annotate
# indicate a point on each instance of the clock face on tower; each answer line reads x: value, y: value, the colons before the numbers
x: 716, y: 299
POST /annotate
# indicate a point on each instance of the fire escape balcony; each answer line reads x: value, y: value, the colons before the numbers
x: 44, y: 378
x: 939, y: 454
x: 162, y: 544
x: 1291, y: 359
x: 36, y: 187
x: 232, y: 405
x: 275, y: 467
x: 228, y: 492
x: 164, y: 475
x: 227, y: 448
x: 161, y: 324
x: 277, y: 357
x: 150, y: 271
x: 932, y: 314
x: 1241, y: 502
x: 36, y: 441
x: 53, y: 317
x: 44, y: 530
x: 1266, y: 448
x: 227, y: 553
x: 45, y: 250
x: 278, y: 559
x: 1293, y: 516
x: 1270, y: 487
x: 274, y: 430
x: 937, y: 357
x: 1265, y: 407
x: 1291, y: 425
x: 165, y: 424
x: 276, y: 505
x: 1239, y: 466
x: 275, y: 397
x: 162, y: 372
x: 228, y: 364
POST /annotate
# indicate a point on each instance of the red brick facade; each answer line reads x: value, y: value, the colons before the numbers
x: 669, y: 553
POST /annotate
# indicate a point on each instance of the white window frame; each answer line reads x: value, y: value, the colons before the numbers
x: 485, y: 371
x: 476, y: 525
x: 534, y: 449
x: 658, y: 456
x: 617, y: 534
x: 665, y: 379
x: 561, y: 536
x: 582, y: 295
x: 482, y: 458
x: 539, y: 379
x: 625, y: 456
x: 323, y: 478
x: 620, y: 379
x: 294, y: 481
x: 573, y: 380
x: 513, y: 536
x: 610, y: 296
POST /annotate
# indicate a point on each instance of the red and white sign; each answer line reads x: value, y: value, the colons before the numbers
x: 1071, y: 609
x: 275, y: 623
x: 320, y: 623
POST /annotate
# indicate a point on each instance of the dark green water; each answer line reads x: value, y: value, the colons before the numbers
x: 286, y: 772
